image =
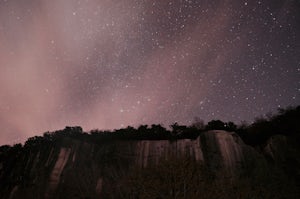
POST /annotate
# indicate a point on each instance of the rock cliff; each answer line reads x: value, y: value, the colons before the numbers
x: 72, y: 168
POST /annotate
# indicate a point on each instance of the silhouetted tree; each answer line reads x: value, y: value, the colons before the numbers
x: 178, y: 131
x: 230, y: 126
x: 143, y: 128
x: 285, y: 122
x: 215, y: 125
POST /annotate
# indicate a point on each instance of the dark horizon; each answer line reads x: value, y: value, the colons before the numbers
x: 283, y: 122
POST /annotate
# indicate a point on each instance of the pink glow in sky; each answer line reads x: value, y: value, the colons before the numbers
x: 108, y: 64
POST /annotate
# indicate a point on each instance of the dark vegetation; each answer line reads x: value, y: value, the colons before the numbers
x: 285, y: 122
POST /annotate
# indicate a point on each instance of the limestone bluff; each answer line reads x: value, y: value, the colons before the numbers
x: 75, y: 168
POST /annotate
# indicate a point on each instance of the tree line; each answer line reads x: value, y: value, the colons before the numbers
x: 284, y: 122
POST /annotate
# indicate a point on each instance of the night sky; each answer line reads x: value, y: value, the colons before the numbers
x: 108, y: 64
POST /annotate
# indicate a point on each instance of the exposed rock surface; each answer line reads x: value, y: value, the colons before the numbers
x: 221, y: 148
x: 285, y: 153
x: 75, y: 169
x: 59, y: 166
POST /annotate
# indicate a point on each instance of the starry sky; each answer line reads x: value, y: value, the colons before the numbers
x: 108, y: 64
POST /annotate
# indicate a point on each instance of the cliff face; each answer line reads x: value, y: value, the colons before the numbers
x: 219, y: 148
x: 75, y: 169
